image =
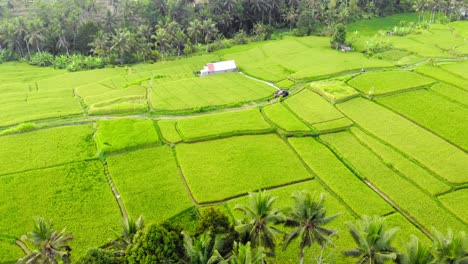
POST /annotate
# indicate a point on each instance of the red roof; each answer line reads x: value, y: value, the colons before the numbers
x: 211, y: 67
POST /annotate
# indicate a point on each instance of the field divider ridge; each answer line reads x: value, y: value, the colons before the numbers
x: 118, y: 198
x: 184, y: 180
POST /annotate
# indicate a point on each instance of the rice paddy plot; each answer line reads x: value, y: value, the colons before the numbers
x: 45, y: 148
x: 437, y: 33
x: 312, y: 108
x: 284, y: 119
x: 341, y: 242
x: 438, y: 73
x: 419, y: 48
x: 216, y: 90
x: 408, y: 197
x: 9, y: 251
x: 220, y: 169
x: 333, y: 125
x: 334, y: 174
x: 71, y: 195
x: 456, y: 203
x: 459, y: 68
x: 443, y: 117
x: 451, y: 92
x: 169, y: 131
x: 433, y: 152
x: 373, y: 26
x: 17, y: 72
x: 151, y: 186
x: 223, y: 124
x: 120, y: 134
x: 403, y: 165
x: 460, y: 27
x: 378, y: 83
x: 334, y: 91
x: 406, y: 229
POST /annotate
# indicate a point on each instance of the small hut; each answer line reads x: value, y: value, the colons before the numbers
x: 218, y: 67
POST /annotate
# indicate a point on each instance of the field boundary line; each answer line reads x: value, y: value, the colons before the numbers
x: 49, y: 167
x: 84, y: 122
x: 262, y: 81
x: 115, y: 191
x: 317, y: 177
x: 184, y: 180
x: 421, y: 126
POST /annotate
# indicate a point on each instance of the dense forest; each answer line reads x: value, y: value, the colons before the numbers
x: 126, y: 31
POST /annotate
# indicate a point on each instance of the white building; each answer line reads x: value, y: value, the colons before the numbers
x: 218, y: 67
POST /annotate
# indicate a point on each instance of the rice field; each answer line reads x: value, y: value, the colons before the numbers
x: 157, y: 140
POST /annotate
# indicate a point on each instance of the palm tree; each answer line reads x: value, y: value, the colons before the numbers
x: 416, y: 253
x: 100, y: 44
x: 122, y: 41
x: 308, y: 216
x: 194, y: 30
x: 35, y: 38
x: 261, y: 215
x: 50, y: 245
x: 203, y: 249
x: 373, y: 240
x: 130, y: 227
x: 209, y: 31
x: 450, y: 249
x: 244, y: 254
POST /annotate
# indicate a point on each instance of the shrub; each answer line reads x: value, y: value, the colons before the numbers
x: 61, y: 62
x: 42, y: 59
x: 240, y: 38
x: 339, y: 36
x: 7, y: 55
x: 261, y: 32
x: 99, y: 256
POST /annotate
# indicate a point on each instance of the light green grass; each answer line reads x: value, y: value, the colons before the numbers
x: 445, y: 118
x: 398, y: 162
x: 451, y: 92
x: 9, y: 251
x: 284, y: 119
x: 45, y: 148
x: 108, y: 94
x: 149, y: 183
x: 460, y: 27
x: 312, y: 108
x: 24, y: 127
x: 376, y: 83
x: 372, y: 26
x: 215, y: 90
x: 119, y: 106
x: 121, y: 134
x: 407, y: 196
x: 406, y: 228
x: 333, y: 125
x: 169, y: 131
x: 456, y: 203
x: 439, y: 156
x: 223, y: 124
x: 219, y: 169
x: 437, y: 33
x: 438, y: 73
x: 75, y: 196
x: 333, y: 90
x: 459, y: 68
x: 17, y: 72
x: 341, y: 242
x: 355, y: 193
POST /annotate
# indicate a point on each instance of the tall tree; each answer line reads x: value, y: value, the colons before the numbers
x: 415, y: 253
x: 122, y: 41
x: 373, y: 240
x: 450, y: 248
x: 260, y: 216
x: 308, y: 217
x: 50, y: 245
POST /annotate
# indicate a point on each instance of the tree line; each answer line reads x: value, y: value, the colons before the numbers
x: 125, y: 31
x: 249, y: 240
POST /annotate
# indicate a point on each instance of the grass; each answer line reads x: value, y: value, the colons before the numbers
x: 219, y: 169
x: 24, y: 127
x: 451, y: 92
x: 398, y: 162
x: 406, y: 228
x: 284, y: 119
x: 9, y: 251
x: 436, y: 154
x: 460, y: 28
x: 312, y: 108
x: 216, y: 90
x: 46, y: 148
x: 72, y: 196
x: 445, y: 118
x: 438, y: 73
x: 377, y: 83
x: 372, y: 26
x: 333, y: 90
x: 355, y: 193
x: 169, y: 131
x: 458, y: 68
x: 456, y: 203
x: 222, y: 124
x: 333, y: 125
x: 151, y: 186
x: 121, y: 134
x: 407, y: 196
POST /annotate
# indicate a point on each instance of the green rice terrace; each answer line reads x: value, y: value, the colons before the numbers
x: 382, y: 135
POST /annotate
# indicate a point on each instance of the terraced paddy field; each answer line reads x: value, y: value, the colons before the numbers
x: 86, y: 149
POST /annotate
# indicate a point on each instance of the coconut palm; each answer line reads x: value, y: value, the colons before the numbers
x: 450, y: 249
x: 416, y: 253
x: 373, y: 240
x: 308, y: 217
x: 50, y: 245
x: 209, y: 31
x: 130, y: 227
x: 203, y: 249
x: 122, y: 41
x: 194, y: 30
x: 260, y: 216
x: 245, y: 254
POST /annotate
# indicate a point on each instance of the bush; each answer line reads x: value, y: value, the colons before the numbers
x: 375, y: 45
x: 240, y: 38
x: 219, y: 44
x: 156, y: 244
x: 78, y: 62
x: 99, y: 256
x: 61, y: 62
x: 339, y: 36
x: 261, y: 32
x: 7, y: 55
x: 42, y: 59
x: 306, y: 23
